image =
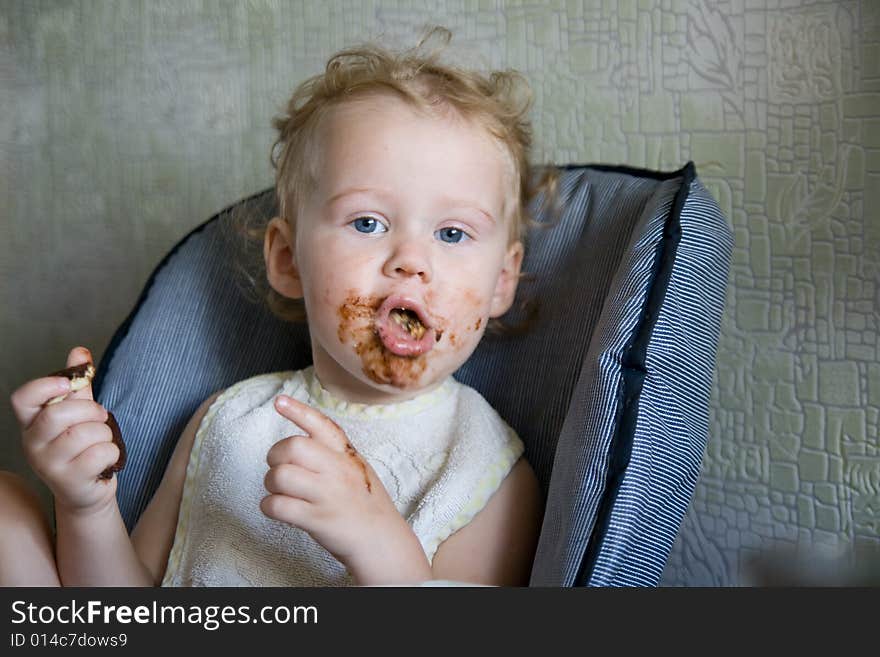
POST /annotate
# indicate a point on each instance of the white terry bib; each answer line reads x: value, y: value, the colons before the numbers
x: 440, y: 456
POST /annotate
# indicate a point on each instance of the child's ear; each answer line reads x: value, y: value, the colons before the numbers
x: 505, y: 288
x: 278, y: 251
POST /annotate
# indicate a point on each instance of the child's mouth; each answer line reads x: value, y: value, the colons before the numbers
x: 409, y: 321
x: 403, y: 328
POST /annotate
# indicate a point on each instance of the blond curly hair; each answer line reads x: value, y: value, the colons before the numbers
x: 498, y: 101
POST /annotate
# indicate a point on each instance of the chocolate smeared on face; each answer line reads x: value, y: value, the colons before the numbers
x: 357, y: 325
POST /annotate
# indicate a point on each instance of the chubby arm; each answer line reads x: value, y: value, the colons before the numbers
x: 497, y: 547
x: 153, y: 535
x: 95, y: 550
x: 67, y: 442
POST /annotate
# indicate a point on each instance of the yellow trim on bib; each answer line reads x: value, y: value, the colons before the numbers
x: 490, y: 483
x: 326, y: 400
x: 192, y: 471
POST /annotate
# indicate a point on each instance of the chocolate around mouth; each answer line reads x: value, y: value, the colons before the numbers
x: 360, y: 325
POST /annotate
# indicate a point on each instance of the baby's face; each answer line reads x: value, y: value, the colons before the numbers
x: 403, y: 250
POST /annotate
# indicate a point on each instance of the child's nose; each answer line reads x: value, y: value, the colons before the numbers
x: 409, y: 259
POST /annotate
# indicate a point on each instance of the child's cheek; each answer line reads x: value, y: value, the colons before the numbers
x: 468, y: 308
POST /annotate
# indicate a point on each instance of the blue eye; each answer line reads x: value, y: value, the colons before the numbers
x: 451, y: 235
x: 368, y: 225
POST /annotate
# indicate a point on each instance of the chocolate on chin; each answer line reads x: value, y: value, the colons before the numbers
x: 80, y: 376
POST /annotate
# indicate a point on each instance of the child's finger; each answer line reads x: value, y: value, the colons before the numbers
x: 78, y: 356
x: 54, y: 419
x: 94, y: 460
x: 76, y: 440
x: 293, y: 481
x: 28, y: 400
x: 303, y: 451
x: 313, y: 422
x: 291, y: 510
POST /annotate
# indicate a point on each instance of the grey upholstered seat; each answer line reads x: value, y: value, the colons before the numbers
x: 609, y: 388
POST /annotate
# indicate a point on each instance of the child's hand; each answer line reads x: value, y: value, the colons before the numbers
x: 67, y: 443
x: 322, y: 485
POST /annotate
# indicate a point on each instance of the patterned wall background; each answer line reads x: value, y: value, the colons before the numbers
x: 125, y: 124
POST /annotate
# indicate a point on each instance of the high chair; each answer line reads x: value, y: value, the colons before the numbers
x: 608, y: 386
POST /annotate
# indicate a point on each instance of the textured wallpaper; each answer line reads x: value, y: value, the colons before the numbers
x: 125, y: 124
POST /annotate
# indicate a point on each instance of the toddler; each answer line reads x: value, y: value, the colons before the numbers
x: 401, y: 186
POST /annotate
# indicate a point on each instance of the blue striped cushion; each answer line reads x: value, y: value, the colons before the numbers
x: 608, y: 388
